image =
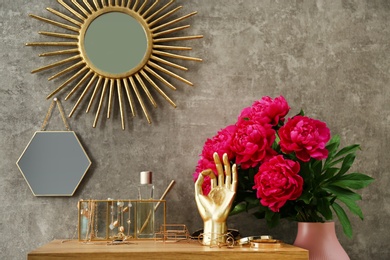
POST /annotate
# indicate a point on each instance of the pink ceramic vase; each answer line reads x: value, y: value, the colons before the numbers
x: 321, y: 241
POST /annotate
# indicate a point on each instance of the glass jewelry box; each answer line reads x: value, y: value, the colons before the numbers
x: 120, y: 220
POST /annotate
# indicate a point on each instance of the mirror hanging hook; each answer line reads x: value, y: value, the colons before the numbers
x: 54, y: 102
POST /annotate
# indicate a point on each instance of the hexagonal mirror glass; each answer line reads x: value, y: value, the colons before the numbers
x: 54, y: 163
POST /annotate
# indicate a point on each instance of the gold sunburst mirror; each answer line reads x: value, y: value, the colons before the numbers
x: 119, y: 48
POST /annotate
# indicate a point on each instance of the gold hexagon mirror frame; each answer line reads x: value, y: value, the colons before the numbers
x: 54, y: 163
x: 157, y: 21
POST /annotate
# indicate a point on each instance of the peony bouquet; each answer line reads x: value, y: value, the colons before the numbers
x: 287, y: 168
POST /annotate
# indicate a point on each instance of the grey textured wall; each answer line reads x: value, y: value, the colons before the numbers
x: 331, y: 58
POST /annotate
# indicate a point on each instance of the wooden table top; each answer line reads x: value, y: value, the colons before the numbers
x: 141, y: 249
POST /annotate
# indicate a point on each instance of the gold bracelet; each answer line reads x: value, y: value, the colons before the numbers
x: 247, y: 240
x: 266, y: 243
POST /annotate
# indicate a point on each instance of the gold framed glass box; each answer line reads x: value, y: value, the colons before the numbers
x: 121, y: 220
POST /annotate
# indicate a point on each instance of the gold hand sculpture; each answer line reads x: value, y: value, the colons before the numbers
x: 215, y: 207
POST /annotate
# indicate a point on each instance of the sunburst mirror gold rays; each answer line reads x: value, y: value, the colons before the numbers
x: 116, y: 50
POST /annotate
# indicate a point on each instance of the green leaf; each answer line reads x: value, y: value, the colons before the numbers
x: 244, y: 201
x: 275, y: 145
x: 333, y: 163
x: 252, y: 202
x: 332, y: 146
x: 241, y: 181
x: 354, y: 181
x: 343, y: 218
x: 352, y: 206
x: 301, y: 113
x: 323, y: 207
x: 239, y: 208
x: 259, y: 214
x: 347, y: 163
x: 348, y: 197
x: 329, y: 173
x: 269, y: 215
x: 342, y: 193
x: 348, y: 149
x: 316, y: 167
x: 272, y: 218
x: 251, y: 175
x: 306, y: 197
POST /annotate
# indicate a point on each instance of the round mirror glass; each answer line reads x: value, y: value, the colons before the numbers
x: 115, y: 43
x: 128, y: 47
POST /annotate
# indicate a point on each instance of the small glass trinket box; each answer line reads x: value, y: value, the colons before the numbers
x: 115, y: 220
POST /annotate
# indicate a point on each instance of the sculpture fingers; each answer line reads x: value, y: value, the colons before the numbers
x: 228, y: 172
x: 218, y: 165
x: 199, y: 195
x: 198, y: 185
x: 211, y: 174
x: 235, y: 178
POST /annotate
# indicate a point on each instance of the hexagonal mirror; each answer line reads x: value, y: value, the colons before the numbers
x: 54, y: 163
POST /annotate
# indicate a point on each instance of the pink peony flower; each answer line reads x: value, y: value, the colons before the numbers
x: 277, y: 182
x: 246, y: 114
x: 306, y: 137
x: 221, y: 144
x: 252, y: 143
x: 266, y: 110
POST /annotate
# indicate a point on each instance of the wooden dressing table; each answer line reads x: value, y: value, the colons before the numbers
x: 141, y: 249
